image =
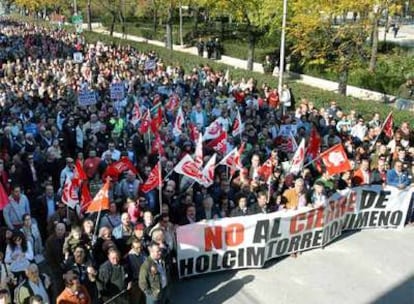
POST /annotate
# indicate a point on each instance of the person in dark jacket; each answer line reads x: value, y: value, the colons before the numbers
x: 135, y: 258
x: 261, y: 205
x: 113, y: 281
x: 200, y: 47
x: 241, y: 209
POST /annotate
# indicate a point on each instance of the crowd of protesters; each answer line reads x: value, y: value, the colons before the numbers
x: 128, y: 256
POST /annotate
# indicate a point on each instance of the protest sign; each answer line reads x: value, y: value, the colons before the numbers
x: 250, y: 241
x: 87, y: 98
x: 150, y: 64
x: 117, y: 91
x: 77, y: 57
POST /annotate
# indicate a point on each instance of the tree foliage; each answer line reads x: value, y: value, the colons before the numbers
x: 323, y: 35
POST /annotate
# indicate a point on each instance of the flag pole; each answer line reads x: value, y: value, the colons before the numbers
x: 320, y: 156
x: 97, y: 223
x: 160, y: 185
x: 149, y: 140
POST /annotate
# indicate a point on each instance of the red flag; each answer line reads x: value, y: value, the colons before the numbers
x: 145, y: 122
x: 70, y: 194
x: 286, y: 143
x: 298, y: 158
x: 156, y: 99
x: 115, y: 169
x: 4, y: 199
x: 388, y: 126
x: 213, y: 130
x: 219, y: 144
x: 188, y: 167
x: 86, y: 197
x: 314, y: 145
x: 335, y: 160
x: 208, y: 172
x: 265, y: 170
x: 101, y: 199
x: 154, y: 180
x: 156, y: 122
x: 194, y: 133
x: 79, y: 174
x: 178, y: 123
x: 199, y: 152
x: 172, y: 103
x: 238, y: 126
x: 157, y: 146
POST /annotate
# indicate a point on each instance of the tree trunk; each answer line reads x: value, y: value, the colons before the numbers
x: 374, y: 47
x: 169, y: 38
x: 112, y: 28
x: 250, y: 52
x: 154, y: 17
x: 122, y: 20
x: 88, y: 15
x: 343, y: 81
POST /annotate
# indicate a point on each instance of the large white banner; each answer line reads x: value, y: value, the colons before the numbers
x: 250, y: 241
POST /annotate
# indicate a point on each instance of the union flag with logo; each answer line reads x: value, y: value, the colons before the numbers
x: 335, y: 160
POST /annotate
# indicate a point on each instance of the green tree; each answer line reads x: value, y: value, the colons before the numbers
x: 251, y: 16
x: 321, y: 41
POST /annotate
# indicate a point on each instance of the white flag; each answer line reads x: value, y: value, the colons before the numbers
x: 213, y: 130
x: 298, y: 158
x: 188, y: 167
x: 178, y: 123
x: 208, y: 171
x: 70, y: 195
x: 199, y: 151
x: 238, y: 126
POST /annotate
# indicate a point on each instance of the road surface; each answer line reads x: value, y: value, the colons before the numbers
x: 370, y: 266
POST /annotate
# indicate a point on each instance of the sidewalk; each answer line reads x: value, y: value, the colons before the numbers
x: 404, y: 37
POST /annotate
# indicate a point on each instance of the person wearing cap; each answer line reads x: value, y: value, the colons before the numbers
x: 74, y: 292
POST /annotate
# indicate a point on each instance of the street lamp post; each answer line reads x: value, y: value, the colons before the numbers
x: 282, y: 48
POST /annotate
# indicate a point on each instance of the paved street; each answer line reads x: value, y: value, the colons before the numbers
x: 371, y: 266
